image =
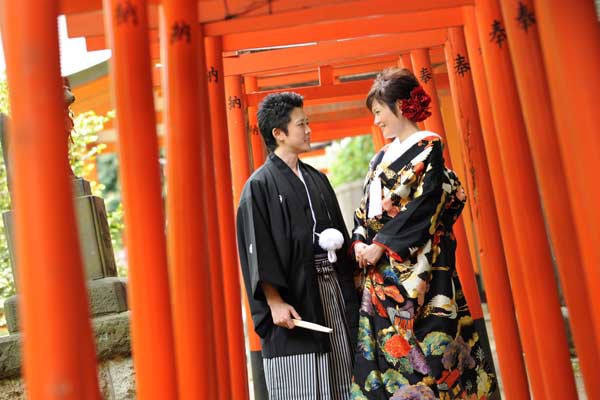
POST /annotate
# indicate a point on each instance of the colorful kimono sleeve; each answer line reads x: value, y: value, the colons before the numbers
x: 256, y: 235
x: 413, y: 226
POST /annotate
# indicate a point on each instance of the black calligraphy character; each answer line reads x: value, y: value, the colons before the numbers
x: 181, y: 30
x: 234, y: 102
x: 461, y: 65
x: 213, y: 73
x: 255, y: 130
x: 425, y: 74
x: 525, y: 17
x: 124, y: 11
x: 498, y: 33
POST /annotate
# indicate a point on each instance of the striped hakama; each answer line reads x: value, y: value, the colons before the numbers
x: 315, y: 376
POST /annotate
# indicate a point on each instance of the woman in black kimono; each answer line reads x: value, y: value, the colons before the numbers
x: 285, y: 211
x: 416, y: 336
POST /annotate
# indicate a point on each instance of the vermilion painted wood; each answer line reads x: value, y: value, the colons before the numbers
x: 335, y: 29
x: 153, y: 348
x: 570, y: 40
x: 534, y: 94
x: 288, y: 78
x: 518, y: 284
x: 526, y: 212
x: 87, y: 21
x: 339, y: 11
x: 238, y: 138
x: 240, y: 163
x: 193, y: 256
x: 50, y: 266
x: 258, y: 148
x: 310, y: 93
x: 225, y: 388
x: 419, y: 59
x: 483, y: 207
x: 226, y: 227
x: 331, y: 52
x: 404, y: 61
x: 348, y: 63
x: 70, y: 6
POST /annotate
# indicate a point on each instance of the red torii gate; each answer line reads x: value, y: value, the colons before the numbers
x: 511, y: 115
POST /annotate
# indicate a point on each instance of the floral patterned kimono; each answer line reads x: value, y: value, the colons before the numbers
x: 416, y: 336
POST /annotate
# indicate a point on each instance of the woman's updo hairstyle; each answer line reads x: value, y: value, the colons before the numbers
x: 394, y: 84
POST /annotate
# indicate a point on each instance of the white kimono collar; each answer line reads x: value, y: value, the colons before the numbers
x: 395, y: 150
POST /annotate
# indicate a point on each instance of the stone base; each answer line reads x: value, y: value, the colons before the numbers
x: 113, y: 351
x: 106, y: 296
x: 116, y: 379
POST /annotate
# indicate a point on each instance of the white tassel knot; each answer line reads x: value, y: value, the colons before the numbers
x: 331, y: 240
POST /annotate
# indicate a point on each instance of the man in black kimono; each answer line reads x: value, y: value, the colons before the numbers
x: 284, y: 207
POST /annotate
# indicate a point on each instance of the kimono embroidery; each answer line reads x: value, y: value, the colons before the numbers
x: 416, y: 335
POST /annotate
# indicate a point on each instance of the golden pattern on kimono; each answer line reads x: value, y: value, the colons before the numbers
x: 360, y: 212
x: 434, y: 218
x: 374, y: 224
x: 402, y: 269
x: 419, y: 190
x: 389, y: 174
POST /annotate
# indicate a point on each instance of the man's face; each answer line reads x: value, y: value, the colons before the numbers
x: 297, y: 139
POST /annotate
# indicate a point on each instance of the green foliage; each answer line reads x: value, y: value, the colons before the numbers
x: 84, y: 152
x: 351, y: 159
x: 3, y: 94
x: 6, y: 282
x: 84, y: 147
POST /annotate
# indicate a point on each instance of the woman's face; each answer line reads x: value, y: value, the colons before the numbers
x: 391, y: 124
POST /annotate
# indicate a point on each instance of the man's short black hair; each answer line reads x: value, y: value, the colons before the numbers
x: 275, y: 112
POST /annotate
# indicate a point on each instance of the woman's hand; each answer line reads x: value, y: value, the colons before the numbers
x: 359, y: 249
x: 369, y: 255
x: 373, y: 253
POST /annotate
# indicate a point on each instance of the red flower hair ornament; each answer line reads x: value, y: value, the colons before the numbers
x: 416, y: 107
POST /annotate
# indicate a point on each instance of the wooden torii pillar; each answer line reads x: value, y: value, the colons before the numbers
x: 569, y: 36
x: 192, y: 254
x: 59, y: 359
x: 465, y: 263
x: 526, y: 213
x: 239, y: 148
x: 475, y: 63
x: 225, y: 209
x: 217, y: 286
x: 258, y: 149
x: 405, y: 61
x: 534, y: 94
x: 500, y: 299
x: 154, y: 361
